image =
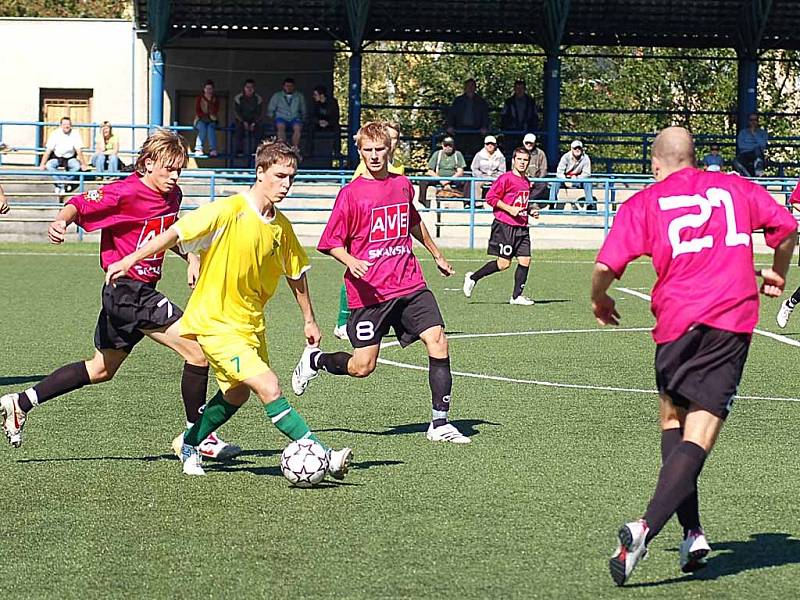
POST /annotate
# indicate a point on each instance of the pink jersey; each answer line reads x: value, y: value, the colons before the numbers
x: 130, y: 215
x: 511, y: 189
x: 696, y: 225
x: 372, y: 219
x: 795, y: 197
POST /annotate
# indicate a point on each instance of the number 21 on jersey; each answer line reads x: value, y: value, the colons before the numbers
x: 714, y: 198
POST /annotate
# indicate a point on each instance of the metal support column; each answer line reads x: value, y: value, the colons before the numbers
x: 156, y: 87
x: 354, y: 111
x: 747, y: 93
x: 552, y: 107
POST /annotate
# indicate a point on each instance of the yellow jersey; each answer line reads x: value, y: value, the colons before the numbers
x: 243, y: 255
x: 393, y: 168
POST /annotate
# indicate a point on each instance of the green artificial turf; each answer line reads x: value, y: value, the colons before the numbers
x: 95, y: 506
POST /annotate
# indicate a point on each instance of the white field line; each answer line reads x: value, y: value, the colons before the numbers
x: 775, y: 336
x: 602, y: 388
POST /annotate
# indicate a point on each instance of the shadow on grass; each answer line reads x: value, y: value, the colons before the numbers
x: 19, y: 379
x: 761, y: 551
x: 466, y: 426
x: 244, y: 466
x: 155, y: 458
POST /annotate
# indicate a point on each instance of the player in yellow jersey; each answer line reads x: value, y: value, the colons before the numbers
x: 340, y: 331
x: 245, y: 245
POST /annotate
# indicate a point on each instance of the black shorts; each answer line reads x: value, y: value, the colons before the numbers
x: 409, y: 315
x: 128, y: 307
x: 702, y: 367
x: 507, y: 241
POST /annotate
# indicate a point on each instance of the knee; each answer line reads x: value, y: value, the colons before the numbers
x: 363, y: 369
x: 100, y: 373
x: 503, y: 265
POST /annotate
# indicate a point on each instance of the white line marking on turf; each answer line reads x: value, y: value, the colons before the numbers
x: 577, y: 386
x: 775, y: 336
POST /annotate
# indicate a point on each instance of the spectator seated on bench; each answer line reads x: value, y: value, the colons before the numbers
x: 446, y: 162
x: 107, y: 157
x: 751, y: 146
x: 63, y: 151
x: 488, y: 163
x: 574, y: 165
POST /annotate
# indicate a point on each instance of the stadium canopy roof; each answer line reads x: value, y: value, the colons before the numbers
x: 746, y: 25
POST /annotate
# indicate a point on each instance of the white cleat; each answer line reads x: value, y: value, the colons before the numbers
x: 632, y: 549
x: 446, y: 433
x: 469, y: 284
x: 304, y: 372
x: 784, y: 313
x: 214, y: 447
x: 192, y: 461
x: 339, y: 462
x: 340, y: 332
x: 693, y: 551
x: 521, y: 301
x: 13, y: 419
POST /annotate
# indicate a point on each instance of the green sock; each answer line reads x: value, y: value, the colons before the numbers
x: 216, y: 414
x: 289, y: 422
x: 344, y: 311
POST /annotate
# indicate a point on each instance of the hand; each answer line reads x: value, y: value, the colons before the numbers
x: 57, y: 231
x: 118, y: 269
x: 534, y: 213
x: 444, y: 267
x: 604, y: 311
x: 359, y: 268
x: 43, y: 167
x: 192, y: 270
x: 514, y: 211
x: 773, y: 283
x: 312, y: 332
x: 323, y: 123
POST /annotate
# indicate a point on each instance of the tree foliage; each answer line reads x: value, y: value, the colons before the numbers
x: 668, y: 86
x: 75, y: 9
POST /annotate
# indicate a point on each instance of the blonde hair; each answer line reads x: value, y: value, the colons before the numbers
x: 272, y: 152
x: 393, y: 125
x: 374, y: 131
x: 163, y: 146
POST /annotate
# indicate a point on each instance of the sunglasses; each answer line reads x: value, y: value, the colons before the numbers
x: 490, y: 144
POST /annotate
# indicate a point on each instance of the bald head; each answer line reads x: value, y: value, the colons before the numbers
x: 673, y: 149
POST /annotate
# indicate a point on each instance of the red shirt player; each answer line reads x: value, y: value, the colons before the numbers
x: 369, y: 231
x: 509, y: 237
x: 129, y: 212
x: 697, y: 226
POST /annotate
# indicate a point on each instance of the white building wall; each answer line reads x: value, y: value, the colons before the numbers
x: 103, y: 55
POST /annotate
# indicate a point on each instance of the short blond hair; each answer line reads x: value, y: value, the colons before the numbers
x: 272, y: 152
x: 163, y: 146
x: 374, y: 131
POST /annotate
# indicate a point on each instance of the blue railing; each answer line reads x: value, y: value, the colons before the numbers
x: 472, y: 213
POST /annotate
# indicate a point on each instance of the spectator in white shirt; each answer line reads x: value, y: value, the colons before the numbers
x: 63, y: 150
x: 488, y: 163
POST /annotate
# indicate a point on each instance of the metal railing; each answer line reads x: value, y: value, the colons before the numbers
x: 312, y: 197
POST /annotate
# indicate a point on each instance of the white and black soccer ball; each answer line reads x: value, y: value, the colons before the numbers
x: 304, y: 463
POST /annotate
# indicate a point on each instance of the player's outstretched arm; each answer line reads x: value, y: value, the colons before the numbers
x: 158, y: 244
x: 420, y: 233
x: 775, y: 278
x: 302, y: 295
x: 356, y: 266
x: 603, y: 305
x: 58, y: 228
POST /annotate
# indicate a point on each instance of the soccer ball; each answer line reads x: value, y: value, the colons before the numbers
x: 304, y: 463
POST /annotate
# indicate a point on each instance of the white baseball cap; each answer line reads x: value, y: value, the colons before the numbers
x: 490, y: 139
x: 529, y: 137
x: 576, y: 144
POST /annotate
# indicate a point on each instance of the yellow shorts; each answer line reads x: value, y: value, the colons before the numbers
x: 235, y: 358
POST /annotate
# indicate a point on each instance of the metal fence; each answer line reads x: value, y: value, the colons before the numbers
x: 313, y: 194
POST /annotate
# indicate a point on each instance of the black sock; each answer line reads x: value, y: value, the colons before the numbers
x: 334, y: 363
x: 520, y: 277
x: 66, y: 379
x: 795, y: 298
x: 441, y: 381
x: 194, y: 385
x: 688, y: 512
x: 487, y: 269
x: 676, y: 481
